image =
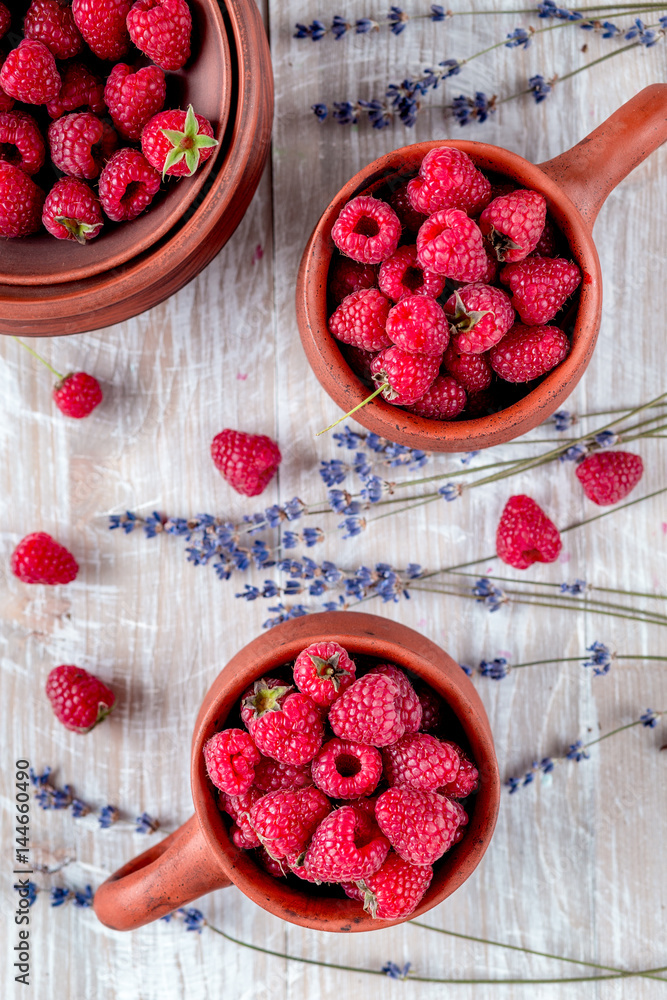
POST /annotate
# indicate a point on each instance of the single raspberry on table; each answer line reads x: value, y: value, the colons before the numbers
x: 347, y: 276
x: 80, y: 90
x: 79, y: 699
x: 480, y: 316
x: 239, y: 808
x: 409, y: 218
x: 29, y: 73
x: 39, y: 558
x: 448, y: 178
x: 394, y: 891
x: 78, y: 394
x: 369, y: 712
x: 526, y: 352
x: 284, y: 724
x: 102, y: 24
x: 608, y: 476
x: 361, y: 320
x: 420, y: 825
x: 472, y: 371
x: 134, y: 97
x: 344, y: 769
x: 408, y: 700
x: 418, y: 324
x: 513, y: 224
x: 467, y: 777
x: 451, y: 244
x: 127, y: 185
x: 73, y: 212
x: 345, y: 846
x: 540, y: 286
x: 161, y: 30
x: 403, y: 376
x: 177, y: 142
x: 367, y: 230
x: 21, y: 141
x: 272, y: 775
x: 248, y: 462
x: 51, y: 22
x: 400, y: 275
x: 5, y: 20
x: 230, y: 758
x: 81, y: 143
x: 323, y: 671
x: 285, y: 820
x: 420, y: 761
x: 21, y: 202
x: 525, y: 534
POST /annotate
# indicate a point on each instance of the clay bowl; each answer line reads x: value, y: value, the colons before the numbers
x: 575, y: 185
x: 200, y: 856
x: 193, y: 224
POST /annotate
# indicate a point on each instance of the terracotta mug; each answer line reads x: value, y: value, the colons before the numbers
x: 575, y: 185
x: 200, y: 856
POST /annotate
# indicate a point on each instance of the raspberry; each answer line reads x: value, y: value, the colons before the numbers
x: 6, y: 102
x: 345, y: 846
x: 269, y: 864
x: 361, y: 320
x: 161, y: 30
x: 420, y: 761
x: 394, y: 891
x: 467, y: 776
x: 21, y: 141
x: 490, y: 273
x: 78, y: 394
x: 513, y: 224
x: 608, y: 476
x: 540, y: 286
x: 5, y: 20
x: 480, y: 316
x: 230, y: 758
x: 409, y: 218
x: 347, y: 770
x: 80, y: 89
x: 448, y: 178
x: 527, y: 352
x: 432, y: 706
x: 133, y: 98
x: 366, y: 230
x: 408, y: 703
x: 285, y: 725
x: 248, y: 462
x: 444, y: 400
x: 359, y: 361
x: 39, y: 558
x: 81, y: 144
x: 547, y: 245
x: 472, y: 371
x: 272, y: 775
x: 404, y: 377
x: 264, y: 695
x: 400, y: 275
x: 369, y: 712
x: 177, y: 142
x: 451, y: 244
x: 21, y: 202
x: 417, y: 324
x: 127, y: 185
x: 102, y: 24
x: 239, y: 808
x: 50, y: 22
x: 79, y: 699
x: 285, y: 821
x: 29, y: 73
x: 525, y: 534
x: 347, y: 276
x: 73, y: 212
x: 419, y: 825
x: 323, y: 671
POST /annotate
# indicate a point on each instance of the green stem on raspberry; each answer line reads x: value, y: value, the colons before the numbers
x: 385, y: 385
x: 39, y: 358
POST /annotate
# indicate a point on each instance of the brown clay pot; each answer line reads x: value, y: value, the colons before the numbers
x: 200, y: 856
x: 575, y: 185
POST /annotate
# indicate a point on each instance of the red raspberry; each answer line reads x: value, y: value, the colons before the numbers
x: 5, y: 20
x: 272, y: 775
x: 21, y: 202
x: 347, y: 276
x: 239, y: 808
x: 480, y: 316
x: 525, y: 534
x: 347, y: 770
x: 463, y: 820
x: 490, y: 273
x: 540, y: 286
x: 21, y: 141
x: 285, y: 725
x: 451, y: 244
x: 472, y: 371
x: 73, y: 212
x: 432, y: 708
x: 6, y: 102
x: 410, y: 219
x: 285, y: 821
x: 81, y: 144
x: 405, y: 377
x: 547, y: 245
x: 513, y: 224
x: 127, y: 185
x: 420, y: 825
x: 408, y: 701
x: 608, y: 476
x: 361, y: 320
x: 367, y: 230
x: 400, y: 275
x: 527, y: 352
x: 369, y: 712
x: 248, y: 462
x: 418, y: 324
x: 77, y: 394
x: 134, y: 97
x: 323, y: 670
x: 345, y: 846
x: 29, y: 73
x: 359, y: 360
x: 448, y: 178
x: 230, y: 758
x: 467, y: 777
x: 80, y: 89
x: 420, y: 761
x: 39, y: 558
x: 50, y: 22
x: 394, y: 890
x: 177, y: 142
x: 102, y: 24
x: 79, y: 699
x: 161, y: 30
x: 269, y: 864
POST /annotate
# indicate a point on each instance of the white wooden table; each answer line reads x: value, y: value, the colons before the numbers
x: 577, y: 867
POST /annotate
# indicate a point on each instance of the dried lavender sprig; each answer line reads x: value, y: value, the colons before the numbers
x: 599, y: 658
x: 81, y: 898
x: 49, y: 796
x: 578, y: 587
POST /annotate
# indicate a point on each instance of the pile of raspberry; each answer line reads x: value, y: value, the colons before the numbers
x: 339, y: 778
x: 81, y: 133
x: 450, y: 293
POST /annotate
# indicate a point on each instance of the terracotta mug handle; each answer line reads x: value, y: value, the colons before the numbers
x: 170, y: 874
x: 589, y: 171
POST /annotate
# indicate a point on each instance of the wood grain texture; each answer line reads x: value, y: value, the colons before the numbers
x: 577, y: 866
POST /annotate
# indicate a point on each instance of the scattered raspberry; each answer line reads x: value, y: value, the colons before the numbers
x: 161, y: 30
x: 367, y: 230
x: 177, y: 142
x: 525, y: 534
x: 5, y: 20
x: 134, y: 97
x: 361, y: 320
x: 410, y: 219
x: 359, y: 360
x: 451, y: 244
x: 345, y: 846
x: 21, y: 202
x: 272, y: 775
x: 230, y: 758
x: 285, y: 821
x: 408, y: 701
x: 472, y: 371
x: 420, y: 825
x: 448, y: 178
x: 527, y: 352
x: 248, y: 462
x: 285, y: 725
x: 239, y: 808
x: 432, y: 706
x: 29, y: 73
x: 418, y: 324
x: 540, y: 286
x: 347, y: 276
x: 39, y: 558
x: 78, y: 394
x: 81, y: 144
x: 80, y: 90
x: 480, y: 316
x: 444, y: 400
x: 467, y: 777
x: 347, y: 770
x: 102, y: 24
x: 405, y: 377
x: 369, y: 712
x: 513, y: 224
x: 50, y: 22
x: 73, y: 212
x: 323, y: 671
x: 400, y: 275
x: 420, y: 761
x: 21, y: 141
x: 608, y: 476
x: 127, y: 185
x: 394, y: 891
x: 79, y: 699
